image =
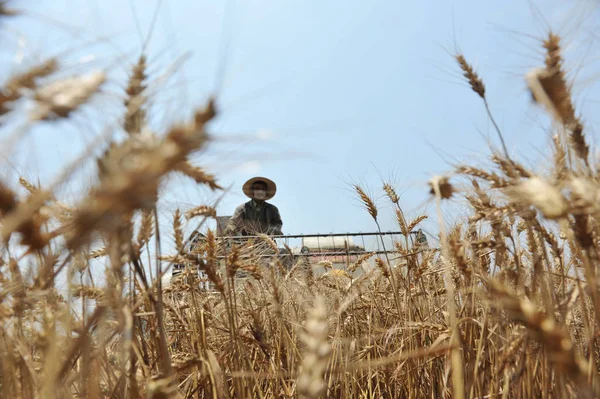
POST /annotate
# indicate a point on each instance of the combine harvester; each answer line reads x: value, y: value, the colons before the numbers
x: 331, y: 253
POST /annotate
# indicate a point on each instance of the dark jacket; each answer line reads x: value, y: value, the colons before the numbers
x: 251, y: 219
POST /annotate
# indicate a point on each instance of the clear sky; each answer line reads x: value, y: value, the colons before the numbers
x: 312, y: 94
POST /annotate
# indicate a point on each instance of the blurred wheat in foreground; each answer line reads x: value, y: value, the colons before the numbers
x: 507, y: 307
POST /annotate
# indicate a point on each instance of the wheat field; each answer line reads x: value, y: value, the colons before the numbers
x: 505, y: 307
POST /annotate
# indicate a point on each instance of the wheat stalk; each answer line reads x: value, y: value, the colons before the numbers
x: 135, y: 115
x: 59, y: 99
x: 311, y: 383
x: 478, y: 87
x: 201, y: 210
x: 367, y: 201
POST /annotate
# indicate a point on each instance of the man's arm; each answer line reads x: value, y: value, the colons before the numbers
x: 234, y: 224
x: 276, y: 222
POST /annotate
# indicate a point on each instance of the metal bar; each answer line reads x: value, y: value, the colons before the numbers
x: 315, y: 254
x: 322, y: 235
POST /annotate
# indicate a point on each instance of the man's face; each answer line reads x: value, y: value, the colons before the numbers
x: 259, y: 189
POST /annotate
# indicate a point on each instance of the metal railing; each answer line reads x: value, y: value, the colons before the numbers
x: 317, y: 235
x: 325, y: 250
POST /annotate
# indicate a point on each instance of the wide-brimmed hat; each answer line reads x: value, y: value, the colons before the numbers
x: 271, y: 187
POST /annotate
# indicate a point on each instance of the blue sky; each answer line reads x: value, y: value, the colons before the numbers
x: 315, y: 95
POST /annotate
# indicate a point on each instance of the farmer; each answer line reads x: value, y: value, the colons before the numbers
x: 256, y: 216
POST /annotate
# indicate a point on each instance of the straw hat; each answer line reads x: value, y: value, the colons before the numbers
x: 271, y: 187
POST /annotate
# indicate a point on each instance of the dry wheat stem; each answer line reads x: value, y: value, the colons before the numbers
x: 457, y: 359
x: 478, y: 87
